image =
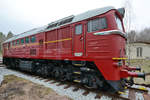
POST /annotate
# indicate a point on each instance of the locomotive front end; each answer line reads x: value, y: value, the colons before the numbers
x: 112, y: 63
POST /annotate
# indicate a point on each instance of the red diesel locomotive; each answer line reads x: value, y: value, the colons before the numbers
x: 88, y: 48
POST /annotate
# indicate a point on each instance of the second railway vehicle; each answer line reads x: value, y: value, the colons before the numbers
x: 88, y: 48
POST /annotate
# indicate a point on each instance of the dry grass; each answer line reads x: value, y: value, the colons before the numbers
x: 145, y: 66
x: 11, y: 79
x: 16, y: 88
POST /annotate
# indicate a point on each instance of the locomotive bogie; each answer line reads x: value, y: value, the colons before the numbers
x: 86, y: 75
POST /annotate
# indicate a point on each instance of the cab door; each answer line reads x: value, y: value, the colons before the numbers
x: 79, y: 39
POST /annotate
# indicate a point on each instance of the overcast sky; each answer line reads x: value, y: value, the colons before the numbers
x: 21, y: 15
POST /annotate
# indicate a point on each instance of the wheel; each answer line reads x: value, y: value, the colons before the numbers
x: 57, y: 73
x: 91, y: 81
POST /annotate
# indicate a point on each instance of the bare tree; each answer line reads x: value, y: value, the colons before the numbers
x: 132, y: 36
x: 128, y: 14
x: 127, y: 22
x: 9, y: 35
x: 144, y: 35
x: 2, y: 39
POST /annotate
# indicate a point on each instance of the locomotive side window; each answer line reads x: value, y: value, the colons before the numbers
x: 5, y: 45
x: 78, y: 29
x: 119, y: 24
x: 8, y: 45
x: 22, y: 41
x: 11, y: 43
x: 17, y: 42
x: 14, y: 43
x: 96, y: 24
x: 27, y: 39
x: 33, y: 39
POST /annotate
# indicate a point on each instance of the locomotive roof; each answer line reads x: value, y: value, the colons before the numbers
x: 64, y: 21
x: 27, y: 33
x: 92, y: 13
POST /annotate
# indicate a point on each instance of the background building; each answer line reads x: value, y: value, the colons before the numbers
x: 138, y: 50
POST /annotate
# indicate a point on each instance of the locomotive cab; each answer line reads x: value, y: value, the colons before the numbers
x: 106, y: 40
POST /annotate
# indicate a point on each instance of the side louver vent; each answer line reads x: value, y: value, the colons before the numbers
x: 32, y: 51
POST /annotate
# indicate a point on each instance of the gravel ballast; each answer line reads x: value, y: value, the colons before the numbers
x: 77, y: 95
x: 1, y: 79
x: 59, y: 89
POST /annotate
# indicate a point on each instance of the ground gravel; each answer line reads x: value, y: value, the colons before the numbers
x: 60, y: 89
x: 1, y: 79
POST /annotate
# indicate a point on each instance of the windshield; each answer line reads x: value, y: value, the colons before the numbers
x: 119, y: 24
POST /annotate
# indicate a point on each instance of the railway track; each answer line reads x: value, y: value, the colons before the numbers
x: 130, y: 95
x: 99, y: 94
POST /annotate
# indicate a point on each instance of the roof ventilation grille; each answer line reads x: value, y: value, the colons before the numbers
x: 60, y: 22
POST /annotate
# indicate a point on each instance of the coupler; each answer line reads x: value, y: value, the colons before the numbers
x: 125, y: 73
x: 130, y: 68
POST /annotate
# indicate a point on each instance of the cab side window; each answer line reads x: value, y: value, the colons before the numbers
x: 78, y: 29
x: 96, y: 24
